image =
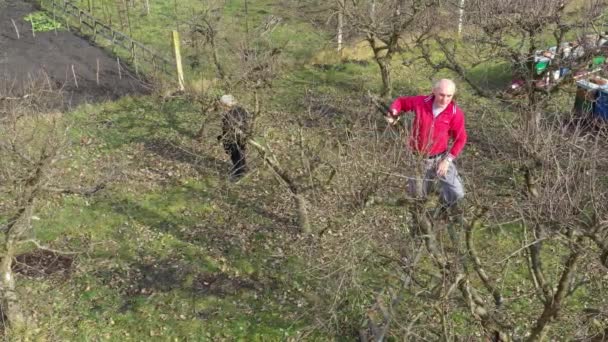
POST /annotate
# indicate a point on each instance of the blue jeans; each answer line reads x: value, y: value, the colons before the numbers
x: 451, y: 187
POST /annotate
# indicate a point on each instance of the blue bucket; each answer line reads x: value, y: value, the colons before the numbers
x: 601, y: 104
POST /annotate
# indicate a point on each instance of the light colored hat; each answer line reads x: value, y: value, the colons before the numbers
x: 228, y: 100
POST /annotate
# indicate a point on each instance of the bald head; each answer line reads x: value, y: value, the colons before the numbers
x: 444, y: 91
x: 445, y: 84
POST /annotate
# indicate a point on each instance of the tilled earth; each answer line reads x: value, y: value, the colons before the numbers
x: 59, y: 60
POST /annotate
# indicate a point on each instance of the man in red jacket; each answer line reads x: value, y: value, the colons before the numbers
x: 437, y: 121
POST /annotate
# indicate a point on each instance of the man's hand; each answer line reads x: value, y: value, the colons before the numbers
x: 442, y: 167
x: 391, y: 120
x: 391, y: 117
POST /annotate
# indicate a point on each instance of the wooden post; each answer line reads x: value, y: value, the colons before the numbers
x: 152, y: 62
x: 16, y: 29
x: 134, y: 57
x: 33, y: 29
x: 67, y: 17
x: 113, y: 40
x: 178, y: 60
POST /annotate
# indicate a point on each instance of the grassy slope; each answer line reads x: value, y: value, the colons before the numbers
x: 154, y: 238
x: 173, y: 251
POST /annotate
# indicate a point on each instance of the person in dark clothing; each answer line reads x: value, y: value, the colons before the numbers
x: 235, y: 132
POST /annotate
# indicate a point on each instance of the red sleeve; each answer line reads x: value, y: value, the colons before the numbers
x: 404, y: 104
x: 458, y: 134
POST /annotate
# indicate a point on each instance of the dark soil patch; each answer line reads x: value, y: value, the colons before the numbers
x: 60, y: 60
x: 162, y: 277
x: 41, y: 263
x: 146, y: 279
x: 221, y: 285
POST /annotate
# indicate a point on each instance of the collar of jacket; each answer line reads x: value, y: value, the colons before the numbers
x: 429, y: 100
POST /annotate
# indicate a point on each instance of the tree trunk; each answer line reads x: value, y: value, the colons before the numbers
x: 533, y: 115
x: 382, y: 56
x: 247, y: 25
x: 283, y: 176
x: 460, y: 17
x: 373, y: 11
x: 147, y: 7
x: 340, y: 24
x: 18, y: 225
x: 533, y: 118
x: 8, y: 296
x: 303, y: 217
x: 216, y: 61
x: 385, y: 71
x: 424, y: 227
x: 10, y: 303
x: 553, y: 307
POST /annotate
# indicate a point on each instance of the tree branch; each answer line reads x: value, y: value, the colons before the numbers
x: 39, y: 246
x: 553, y: 305
x: 488, y: 282
x: 89, y: 191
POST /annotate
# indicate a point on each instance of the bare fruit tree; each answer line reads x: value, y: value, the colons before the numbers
x: 510, y: 267
x: 565, y: 212
x: 31, y: 142
x: 387, y: 26
x: 204, y: 31
x: 540, y: 45
x: 560, y: 219
x: 34, y: 142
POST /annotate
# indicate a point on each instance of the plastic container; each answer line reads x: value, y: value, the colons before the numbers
x: 583, y: 102
x: 598, y: 60
x: 601, y: 104
x: 540, y: 66
x: 585, y: 84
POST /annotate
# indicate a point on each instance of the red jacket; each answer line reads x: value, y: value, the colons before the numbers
x: 430, y: 135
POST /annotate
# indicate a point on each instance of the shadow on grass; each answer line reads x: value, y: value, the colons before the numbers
x: 139, y: 282
x: 203, y: 163
x: 139, y: 119
x: 349, y: 78
x: 166, y: 131
x: 171, y: 151
x: 192, y: 215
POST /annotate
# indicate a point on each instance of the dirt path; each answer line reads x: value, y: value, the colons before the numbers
x: 56, y: 54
